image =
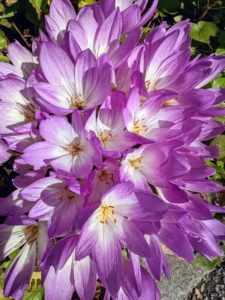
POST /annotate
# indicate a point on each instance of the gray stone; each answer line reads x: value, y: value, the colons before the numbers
x: 184, y: 276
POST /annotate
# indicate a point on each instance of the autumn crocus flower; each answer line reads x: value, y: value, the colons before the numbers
x: 65, y: 147
x: 69, y: 87
x: 109, y: 228
x: 57, y: 200
x: 27, y: 232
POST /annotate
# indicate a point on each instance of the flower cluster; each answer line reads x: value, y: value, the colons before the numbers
x: 108, y: 131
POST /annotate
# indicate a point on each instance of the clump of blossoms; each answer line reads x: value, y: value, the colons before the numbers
x: 108, y: 133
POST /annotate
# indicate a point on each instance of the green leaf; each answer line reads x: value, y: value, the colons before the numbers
x: 6, y: 23
x: 39, y: 4
x: 220, y: 51
x: 178, y: 18
x: 5, y: 264
x: 38, y: 295
x: 3, y: 41
x: 220, y: 142
x: 218, y: 83
x: 219, y: 169
x: 85, y: 2
x: 2, y: 8
x: 6, y: 15
x: 203, y: 31
x: 2, y: 281
x: 170, y: 7
x: 10, y: 11
x: 204, y: 263
x: 35, y: 281
x: 13, y: 255
x: 4, y: 58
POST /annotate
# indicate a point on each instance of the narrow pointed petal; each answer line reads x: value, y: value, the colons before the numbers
x: 85, y: 278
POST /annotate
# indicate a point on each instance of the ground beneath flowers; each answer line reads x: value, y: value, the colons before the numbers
x: 212, y: 286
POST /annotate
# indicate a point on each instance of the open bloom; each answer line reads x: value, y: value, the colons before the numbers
x: 141, y: 166
x: 31, y: 234
x: 17, y: 109
x: 109, y: 228
x: 65, y: 147
x: 57, y: 201
x: 109, y: 126
x: 127, y: 9
x: 63, y: 272
x: 69, y: 87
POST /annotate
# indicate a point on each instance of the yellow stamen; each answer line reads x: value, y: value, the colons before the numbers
x: 138, y: 128
x: 28, y: 111
x: 74, y: 149
x: 78, y: 102
x: 106, y: 211
x: 31, y: 232
x: 135, y: 162
x: 105, y: 136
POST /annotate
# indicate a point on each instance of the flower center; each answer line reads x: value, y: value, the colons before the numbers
x: 170, y: 103
x: 107, y: 177
x: 138, y: 128
x: 28, y: 111
x: 135, y: 162
x: 106, y: 212
x: 68, y: 194
x: 78, y: 102
x: 73, y: 149
x: 31, y: 233
x: 105, y: 136
x: 149, y: 85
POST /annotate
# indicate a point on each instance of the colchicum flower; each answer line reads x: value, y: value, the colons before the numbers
x: 109, y: 132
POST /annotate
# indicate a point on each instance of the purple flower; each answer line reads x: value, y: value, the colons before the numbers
x: 18, y: 111
x: 81, y: 87
x: 109, y: 227
x: 57, y: 201
x: 65, y: 147
x: 127, y: 9
x: 109, y: 127
x: 63, y: 272
x: 23, y: 61
x: 5, y: 153
x: 27, y: 232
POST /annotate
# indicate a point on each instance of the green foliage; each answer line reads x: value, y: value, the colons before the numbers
x: 39, y: 6
x: 205, y: 264
x: 85, y: 2
x: 3, y: 41
x: 219, y: 167
x: 203, y: 31
x: 9, y: 11
x: 170, y: 7
x: 38, y: 295
x: 220, y: 142
x: 4, y: 266
x: 220, y: 51
x: 218, y: 83
x: 34, y: 290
